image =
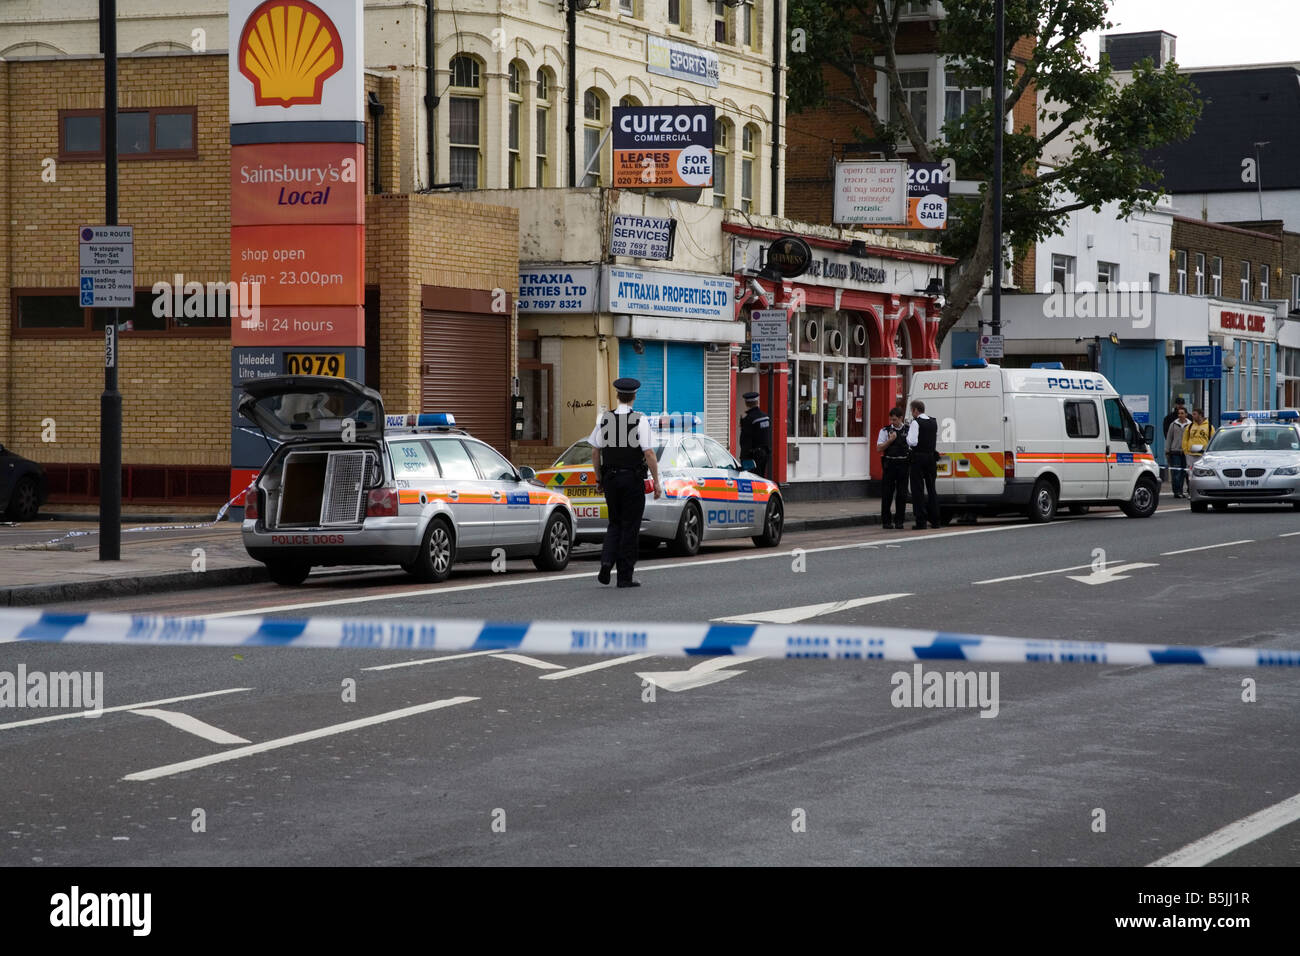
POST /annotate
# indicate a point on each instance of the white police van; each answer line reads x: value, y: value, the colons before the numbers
x: 1015, y: 440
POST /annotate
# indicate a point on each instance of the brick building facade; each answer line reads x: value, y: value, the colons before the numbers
x: 175, y: 379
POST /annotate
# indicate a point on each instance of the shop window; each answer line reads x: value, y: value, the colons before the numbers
x: 536, y: 381
x: 60, y: 313
x: 159, y: 133
x: 809, y: 417
x: 465, y: 111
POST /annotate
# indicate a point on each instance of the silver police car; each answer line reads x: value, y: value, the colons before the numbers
x: 347, y: 484
x: 1253, y: 460
x: 708, y: 495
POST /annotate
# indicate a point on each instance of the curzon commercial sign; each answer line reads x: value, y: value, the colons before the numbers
x: 658, y: 147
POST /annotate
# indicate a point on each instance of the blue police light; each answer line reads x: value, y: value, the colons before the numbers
x: 1262, y: 414
x: 423, y: 420
x: 970, y: 363
x: 1051, y: 365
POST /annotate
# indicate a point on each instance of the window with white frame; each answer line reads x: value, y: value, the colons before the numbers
x: 464, y: 116
x: 1263, y: 280
x: 721, y: 23
x: 593, y: 115
x: 957, y: 100
x: 748, y: 25
x: 543, y: 114
x: 916, y: 94
x: 625, y: 6
x: 748, y: 154
x: 1180, y: 268
x: 1200, y: 273
x: 1295, y: 292
x: 1062, y: 273
x: 1107, y: 273
x: 1245, y: 280
x: 721, y: 159
x: 515, y: 74
x: 1216, y: 275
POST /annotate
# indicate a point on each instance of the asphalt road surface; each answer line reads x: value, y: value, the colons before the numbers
x: 492, y: 758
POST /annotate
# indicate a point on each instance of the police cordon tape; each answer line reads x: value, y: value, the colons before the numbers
x: 809, y: 642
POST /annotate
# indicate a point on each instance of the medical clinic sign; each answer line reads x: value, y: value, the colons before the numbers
x: 297, y: 195
x: 663, y: 147
x: 1240, y: 321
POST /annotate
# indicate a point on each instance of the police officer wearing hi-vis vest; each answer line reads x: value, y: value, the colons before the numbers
x: 756, y: 435
x: 621, y: 454
x: 894, y: 459
x: 922, y: 437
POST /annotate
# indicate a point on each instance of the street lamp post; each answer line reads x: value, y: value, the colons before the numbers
x: 999, y: 121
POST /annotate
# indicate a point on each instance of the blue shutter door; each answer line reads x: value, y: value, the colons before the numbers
x: 685, y: 378
x: 648, y: 369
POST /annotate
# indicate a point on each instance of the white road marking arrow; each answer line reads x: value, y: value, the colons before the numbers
x: 1107, y: 575
x: 530, y: 661
x: 793, y: 615
x: 191, y: 725
x: 702, y: 674
x: 588, y: 668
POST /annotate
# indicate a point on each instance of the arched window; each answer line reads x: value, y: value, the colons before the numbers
x: 515, y: 81
x: 545, y: 92
x: 465, y: 117
x: 748, y: 167
x: 721, y: 160
x: 595, y: 113
x: 629, y: 100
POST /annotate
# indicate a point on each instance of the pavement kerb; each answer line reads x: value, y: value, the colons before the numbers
x: 29, y: 595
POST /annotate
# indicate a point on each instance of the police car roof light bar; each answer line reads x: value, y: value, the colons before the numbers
x: 1263, y: 414
x: 423, y: 420
x: 970, y: 363
x: 675, y: 422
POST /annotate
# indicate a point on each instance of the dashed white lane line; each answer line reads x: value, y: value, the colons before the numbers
x: 191, y: 725
x: 588, y: 668
x: 429, y: 660
x: 765, y: 554
x: 186, y: 765
x: 1235, y: 835
x: 530, y: 661
x: 793, y: 615
x: 1289, y: 534
x: 1207, y: 547
x: 1032, y: 574
x: 110, y: 710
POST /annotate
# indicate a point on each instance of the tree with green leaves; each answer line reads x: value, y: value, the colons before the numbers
x: 1099, y: 129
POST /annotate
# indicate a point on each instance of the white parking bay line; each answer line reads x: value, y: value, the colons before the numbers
x: 1234, y: 835
x: 186, y: 765
x: 530, y: 661
x: 192, y: 725
x: 588, y: 668
x: 1208, y: 547
x: 109, y: 710
x: 428, y: 660
x: 793, y: 615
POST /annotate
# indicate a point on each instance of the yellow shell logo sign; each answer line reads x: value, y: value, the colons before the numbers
x: 288, y: 49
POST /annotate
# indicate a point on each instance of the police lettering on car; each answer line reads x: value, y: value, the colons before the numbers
x: 756, y: 435
x: 621, y: 455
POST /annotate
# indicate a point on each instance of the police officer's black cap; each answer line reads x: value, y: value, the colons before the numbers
x: 626, y: 386
x: 750, y: 396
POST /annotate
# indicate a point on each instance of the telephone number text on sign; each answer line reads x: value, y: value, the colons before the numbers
x: 313, y: 363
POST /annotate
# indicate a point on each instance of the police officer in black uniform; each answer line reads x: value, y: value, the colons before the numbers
x: 621, y: 456
x: 895, y: 460
x: 756, y: 435
x: 922, y: 436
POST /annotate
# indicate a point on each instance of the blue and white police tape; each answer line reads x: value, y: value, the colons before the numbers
x: 808, y: 641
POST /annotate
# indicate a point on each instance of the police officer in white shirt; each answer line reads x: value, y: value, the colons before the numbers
x: 922, y: 435
x: 621, y: 455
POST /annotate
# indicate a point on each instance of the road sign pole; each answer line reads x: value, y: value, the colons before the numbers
x: 110, y: 402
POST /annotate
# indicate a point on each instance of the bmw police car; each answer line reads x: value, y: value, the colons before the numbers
x: 349, y: 485
x: 708, y: 495
x: 1253, y: 458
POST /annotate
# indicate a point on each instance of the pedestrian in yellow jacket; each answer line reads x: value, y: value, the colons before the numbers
x: 1199, y: 432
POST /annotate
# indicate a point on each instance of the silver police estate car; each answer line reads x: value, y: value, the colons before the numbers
x: 708, y: 495
x: 1255, y: 459
x: 348, y: 485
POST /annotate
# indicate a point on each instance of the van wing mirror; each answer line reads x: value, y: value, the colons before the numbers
x: 1149, y: 433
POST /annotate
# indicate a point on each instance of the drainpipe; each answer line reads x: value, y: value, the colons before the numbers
x: 778, y: 50
x: 571, y: 83
x: 430, y: 98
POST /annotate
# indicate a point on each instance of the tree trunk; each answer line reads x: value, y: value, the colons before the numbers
x: 971, y: 280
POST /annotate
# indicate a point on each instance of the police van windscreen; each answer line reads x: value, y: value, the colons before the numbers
x: 1258, y: 438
